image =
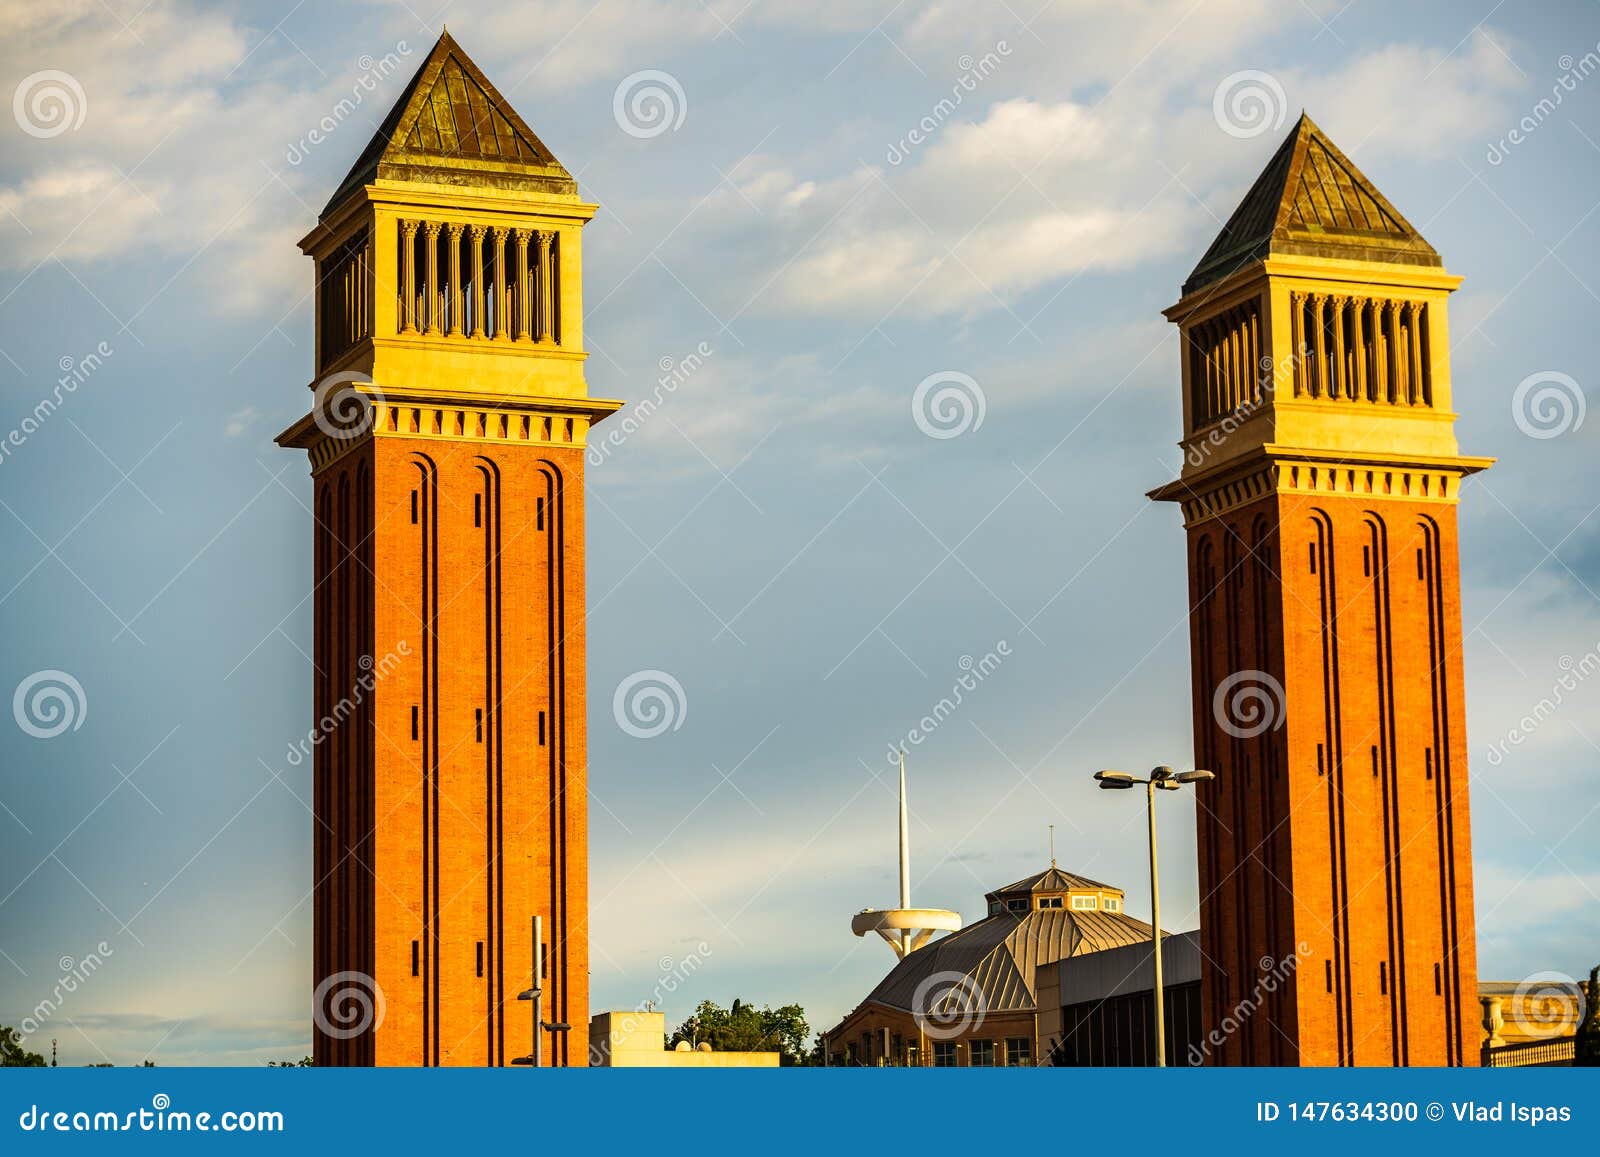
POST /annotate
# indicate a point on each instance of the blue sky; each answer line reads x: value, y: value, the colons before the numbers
x: 779, y: 536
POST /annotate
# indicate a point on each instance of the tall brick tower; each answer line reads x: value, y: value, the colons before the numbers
x: 446, y: 440
x: 1319, y: 491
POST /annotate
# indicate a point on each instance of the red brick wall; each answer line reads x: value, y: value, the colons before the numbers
x: 478, y: 819
x: 1345, y: 829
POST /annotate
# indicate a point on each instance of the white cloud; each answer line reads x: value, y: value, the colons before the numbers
x: 239, y: 421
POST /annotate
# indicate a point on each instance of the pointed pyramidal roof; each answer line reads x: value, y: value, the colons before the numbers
x: 1311, y: 200
x: 451, y: 126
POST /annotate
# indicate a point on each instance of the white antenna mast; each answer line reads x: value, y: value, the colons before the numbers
x: 905, y: 840
x: 905, y: 929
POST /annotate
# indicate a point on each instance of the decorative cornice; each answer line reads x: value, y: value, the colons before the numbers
x: 560, y: 422
x: 1279, y: 470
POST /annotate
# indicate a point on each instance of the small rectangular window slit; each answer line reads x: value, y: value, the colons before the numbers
x: 1366, y: 562
x: 1419, y: 563
x: 1427, y: 763
x: 541, y: 729
x: 477, y: 510
x: 1329, y: 966
x: 1321, y: 769
x: 416, y: 966
x: 1383, y: 978
x: 539, y: 512
x: 1438, y: 981
x: 480, y: 958
x: 413, y: 508
x: 416, y: 720
x: 1311, y: 554
x: 478, y: 723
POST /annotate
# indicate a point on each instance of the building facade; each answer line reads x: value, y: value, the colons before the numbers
x: 446, y: 439
x: 990, y: 994
x: 1319, y: 494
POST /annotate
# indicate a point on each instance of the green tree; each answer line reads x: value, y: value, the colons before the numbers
x: 13, y: 1055
x: 302, y: 1063
x: 745, y: 1028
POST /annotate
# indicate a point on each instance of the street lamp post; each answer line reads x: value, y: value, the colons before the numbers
x: 1165, y: 779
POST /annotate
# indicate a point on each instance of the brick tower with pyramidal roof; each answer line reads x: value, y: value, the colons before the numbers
x: 1319, y: 490
x: 446, y: 438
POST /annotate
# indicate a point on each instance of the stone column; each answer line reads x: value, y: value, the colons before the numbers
x: 1319, y: 302
x: 1416, y: 379
x: 1386, y: 351
x: 475, y: 236
x: 524, y: 288
x: 501, y: 313
x: 1297, y: 340
x: 1341, y: 371
x: 457, y: 298
x: 432, y: 228
x: 543, y: 239
x: 408, y: 280
x: 1358, y: 359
